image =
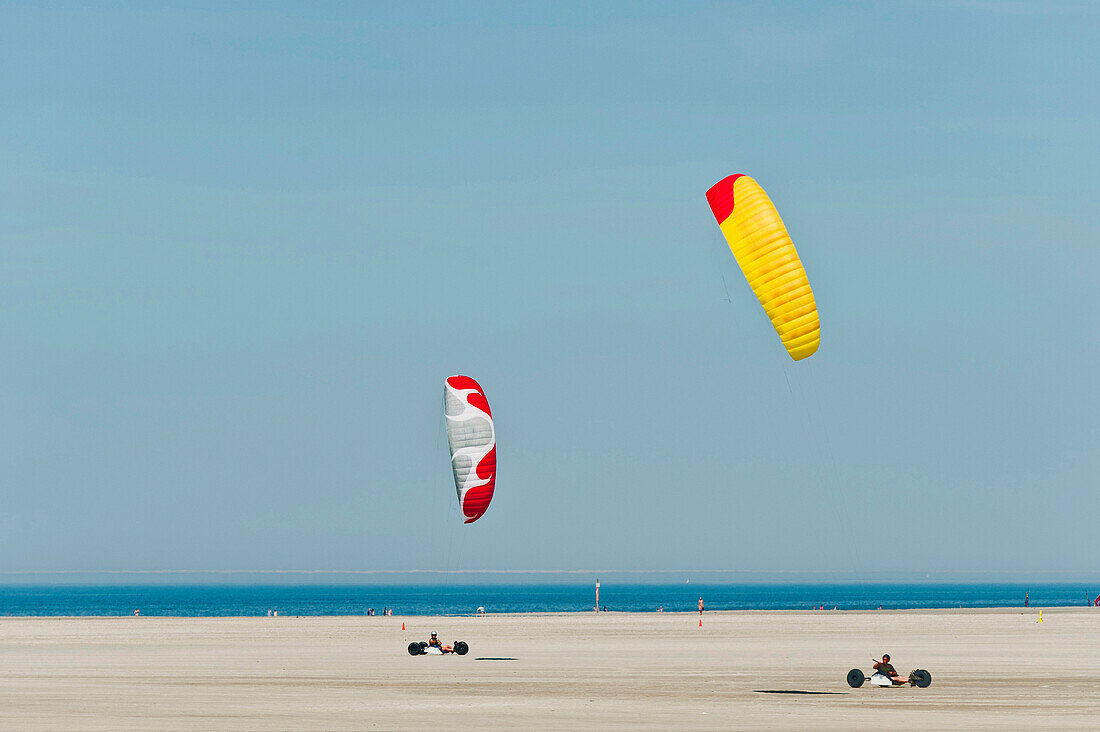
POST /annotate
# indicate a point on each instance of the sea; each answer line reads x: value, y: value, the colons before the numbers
x: 192, y: 600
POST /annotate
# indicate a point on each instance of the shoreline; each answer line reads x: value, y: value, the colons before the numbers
x: 998, y: 610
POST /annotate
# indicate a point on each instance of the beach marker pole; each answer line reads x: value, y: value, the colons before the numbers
x: 1040, y: 617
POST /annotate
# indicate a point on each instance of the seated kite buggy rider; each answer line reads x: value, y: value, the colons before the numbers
x: 434, y: 641
x: 883, y: 667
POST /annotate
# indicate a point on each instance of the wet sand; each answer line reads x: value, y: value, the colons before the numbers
x: 992, y: 669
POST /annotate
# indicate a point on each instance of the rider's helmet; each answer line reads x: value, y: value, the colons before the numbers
x: 885, y: 656
x: 433, y: 635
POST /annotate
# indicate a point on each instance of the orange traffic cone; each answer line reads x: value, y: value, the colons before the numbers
x: 700, y: 621
x: 402, y: 626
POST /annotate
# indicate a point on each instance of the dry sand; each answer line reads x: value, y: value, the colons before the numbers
x: 992, y: 669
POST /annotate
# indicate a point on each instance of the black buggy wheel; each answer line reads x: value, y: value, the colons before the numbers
x: 921, y: 678
x: 414, y: 649
x: 461, y: 648
x: 856, y: 678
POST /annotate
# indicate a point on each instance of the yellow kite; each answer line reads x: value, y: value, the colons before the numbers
x: 767, y: 257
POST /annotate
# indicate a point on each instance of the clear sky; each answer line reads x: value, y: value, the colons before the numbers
x: 241, y: 245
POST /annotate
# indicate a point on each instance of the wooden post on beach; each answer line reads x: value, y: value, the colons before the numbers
x: 597, y: 594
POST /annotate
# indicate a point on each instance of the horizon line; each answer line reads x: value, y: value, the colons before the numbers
x: 927, y: 572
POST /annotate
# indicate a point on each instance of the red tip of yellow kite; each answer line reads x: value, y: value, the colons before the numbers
x: 720, y: 197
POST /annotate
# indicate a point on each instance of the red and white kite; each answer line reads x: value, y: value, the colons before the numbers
x: 473, y: 442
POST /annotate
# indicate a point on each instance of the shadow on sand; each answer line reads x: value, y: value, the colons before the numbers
x: 489, y: 658
x: 797, y: 691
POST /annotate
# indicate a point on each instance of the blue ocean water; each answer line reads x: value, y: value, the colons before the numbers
x: 455, y: 599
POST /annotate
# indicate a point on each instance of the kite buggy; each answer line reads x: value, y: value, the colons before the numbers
x: 433, y: 647
x: 918, y: 677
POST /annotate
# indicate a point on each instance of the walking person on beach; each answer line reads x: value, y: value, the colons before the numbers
x: 700, y: 606
x: 1027, y: 599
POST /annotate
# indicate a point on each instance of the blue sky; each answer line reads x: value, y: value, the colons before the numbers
x: 241, y: 245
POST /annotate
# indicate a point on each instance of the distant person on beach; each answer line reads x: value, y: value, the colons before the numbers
x: 700, y: 606
x: 1027, y: 599
x: 883, y: 667
x: 434, y: 641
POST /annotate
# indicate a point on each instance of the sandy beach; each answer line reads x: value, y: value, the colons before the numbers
x: 992, y: 669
